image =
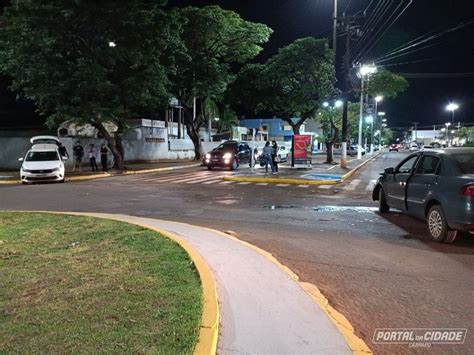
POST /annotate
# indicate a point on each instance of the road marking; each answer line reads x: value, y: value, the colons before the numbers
x: 371, y: 185
x: 206, y: 179
x: 283, y: 185
x: 325, y: 187
x: 243, y: 183
x: 226, y: 182
x: 178, y: 180
x: 170, y: 177
x: 303, y: 186
x: 262, y: 183
x: 352, y: 185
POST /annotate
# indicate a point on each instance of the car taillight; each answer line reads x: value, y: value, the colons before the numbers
x: 467, y: 190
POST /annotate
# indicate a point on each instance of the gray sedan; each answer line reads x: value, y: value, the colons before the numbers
x: 436, y: 186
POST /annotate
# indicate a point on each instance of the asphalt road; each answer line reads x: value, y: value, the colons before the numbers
x: 381, y: 272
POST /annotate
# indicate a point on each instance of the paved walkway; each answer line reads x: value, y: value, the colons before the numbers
x: 263, y: 309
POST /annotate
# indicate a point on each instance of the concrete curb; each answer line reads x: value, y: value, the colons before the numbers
x: 209, y: 332
x: 356, y: 344
x: 105, y: 175
x: 292, y: 181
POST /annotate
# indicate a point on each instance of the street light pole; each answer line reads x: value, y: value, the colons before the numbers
x: 334, y: 30
x: 361, y: 112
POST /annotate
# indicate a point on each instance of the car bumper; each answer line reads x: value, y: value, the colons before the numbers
x: 460, y: 219
x: 217, y: 163
x: 35, y: 177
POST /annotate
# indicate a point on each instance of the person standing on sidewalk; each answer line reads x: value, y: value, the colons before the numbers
x: 92, y: 154
x: 78, y: 154
x: 267, y: 155
x: 103, y: 156
x: 275, y: 159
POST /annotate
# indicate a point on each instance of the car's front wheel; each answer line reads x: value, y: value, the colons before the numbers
x: 383, y: 205
x: 234, y: 165
x: 438, y: 227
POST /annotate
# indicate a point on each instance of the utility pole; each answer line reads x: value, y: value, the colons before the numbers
x: 416, y: 131
x: 345, y: 106
x: 334, y: 30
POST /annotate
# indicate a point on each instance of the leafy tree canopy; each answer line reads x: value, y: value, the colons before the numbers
x: 89, y: 61
x: 386, y: 83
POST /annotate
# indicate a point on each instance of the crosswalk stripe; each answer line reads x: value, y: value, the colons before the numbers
x: 370, y: 185
x: 206, y: 179
x: 325, y: 187
x: 303, y: 186
x: 169, y: 177
x: 283, y: 185
x: 226, y: 182
x: 244, y: 183
x: 192, y: 178
x: 352, y: 185
x: 262, y: 183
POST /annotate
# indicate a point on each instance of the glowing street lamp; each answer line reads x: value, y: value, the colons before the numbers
x: 338, y: 103
x: 325, y: 104
x: 112, y: 44
x: 364, y: 70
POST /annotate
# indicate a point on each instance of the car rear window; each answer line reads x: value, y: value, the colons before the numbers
x: 465, y: 162
x: 42, y: 156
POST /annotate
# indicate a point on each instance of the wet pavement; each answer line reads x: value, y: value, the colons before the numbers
x: 379, y: 271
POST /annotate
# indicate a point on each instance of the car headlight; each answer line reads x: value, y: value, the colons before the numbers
x: 25, y: 170
x: 227, y: 156
x: 208, y: 156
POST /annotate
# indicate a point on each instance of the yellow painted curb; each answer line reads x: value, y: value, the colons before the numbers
x: 280, y: 180
x: 209, y: 332
x: 155, y: 170
x: 273, y: 180
x: 356, y: 344
x: 10, y: 182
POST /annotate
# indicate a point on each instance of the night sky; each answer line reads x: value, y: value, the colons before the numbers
x: 432, y: 89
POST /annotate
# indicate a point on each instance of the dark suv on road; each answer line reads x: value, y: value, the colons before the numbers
x: 229, y: 154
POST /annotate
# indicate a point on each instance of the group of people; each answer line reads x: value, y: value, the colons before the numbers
x: 79, y: 152
x: 270, y: 157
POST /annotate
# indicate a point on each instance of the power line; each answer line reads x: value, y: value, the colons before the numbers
x: 435, y: 75
x: 404, y: 54
x: 423, y: 39
x: 389, y: 26
x: 410, y: 62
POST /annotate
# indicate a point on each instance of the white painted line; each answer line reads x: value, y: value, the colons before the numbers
x: 371, y: 185
x: 206, y: 179
x: 325, y: 187
x: 303, y: 186
x: 169, y: 177
x: 244, y: 183
x: 352, y: 185
x: 193, y: 178
x: 226, y: 182
x: 262, y: 183
x: 283, y: 185
x: 332, y: 167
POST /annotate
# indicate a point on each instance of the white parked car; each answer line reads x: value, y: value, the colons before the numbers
x: 283, y: 152
x: 413, y: 147
x: 43, y: 161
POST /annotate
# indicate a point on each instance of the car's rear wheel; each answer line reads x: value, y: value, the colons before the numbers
x: 383, y: 205
x: 438, y: 227
x: 234, y: 165
x: 209, y: 167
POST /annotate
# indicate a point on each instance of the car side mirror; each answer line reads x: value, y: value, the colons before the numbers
x: 64, y: 158
x: 389, y: 171
x: 20, y: 159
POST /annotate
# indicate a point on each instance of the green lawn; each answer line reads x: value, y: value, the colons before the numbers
x: 78, y: 284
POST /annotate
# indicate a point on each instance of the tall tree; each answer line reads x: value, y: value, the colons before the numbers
x: 296, y: 80
x: 386, y: 83
x: 89, y: 61
x: 214, y: 39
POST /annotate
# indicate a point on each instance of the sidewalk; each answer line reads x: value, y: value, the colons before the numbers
x: 320, y: 174
x: 263, y: 306
x: 13, y: 177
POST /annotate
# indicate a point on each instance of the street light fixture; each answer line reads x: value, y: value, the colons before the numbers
x: 338, y: 103
x: 447, y: 124
x: 378, y: 98
x: 364, y: 71
x: 112, y: 44
x: 325, y: 104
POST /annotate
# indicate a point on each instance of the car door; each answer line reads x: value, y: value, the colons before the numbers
x: 243, y: 153
x: 421, y: 184
x: 396, y: 182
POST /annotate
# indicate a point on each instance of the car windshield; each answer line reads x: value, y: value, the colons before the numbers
x: 226, y: 146
x: 42, y: 156
x: 465, y: 162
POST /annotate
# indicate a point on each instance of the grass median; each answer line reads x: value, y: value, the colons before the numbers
x: 88, y: 285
